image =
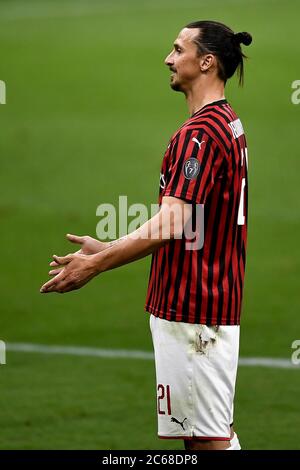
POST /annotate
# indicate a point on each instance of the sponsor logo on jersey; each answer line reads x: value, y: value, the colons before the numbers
x: 197, y: 142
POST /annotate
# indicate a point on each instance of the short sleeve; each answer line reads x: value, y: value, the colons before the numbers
x: 195, y: 162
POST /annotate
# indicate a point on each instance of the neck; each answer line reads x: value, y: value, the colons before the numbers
x: 199, y: 96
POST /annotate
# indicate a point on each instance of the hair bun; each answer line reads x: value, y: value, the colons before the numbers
x: 243, y: 38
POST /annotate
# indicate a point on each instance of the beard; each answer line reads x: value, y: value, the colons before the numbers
x: 175, y: 85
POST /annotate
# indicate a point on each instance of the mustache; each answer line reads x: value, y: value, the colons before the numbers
x: 172, y: 70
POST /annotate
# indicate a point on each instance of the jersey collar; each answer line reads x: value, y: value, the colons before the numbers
x: 214, y: 103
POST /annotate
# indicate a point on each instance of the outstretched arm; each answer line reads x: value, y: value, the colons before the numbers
x: 78, y: 268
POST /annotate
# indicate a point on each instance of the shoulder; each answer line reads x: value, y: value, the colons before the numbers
x: 215, y: 122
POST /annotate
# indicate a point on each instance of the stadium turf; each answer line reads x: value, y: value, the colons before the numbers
x: 88, y: 116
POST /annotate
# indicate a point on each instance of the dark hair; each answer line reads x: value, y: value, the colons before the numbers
x: 216, y: 38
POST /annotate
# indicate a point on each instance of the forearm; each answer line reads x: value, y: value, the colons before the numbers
x: 156, y: 232
x: 136, y: 245
x: 92, y: 246
x: 80, y: 268
x: 127, y: 251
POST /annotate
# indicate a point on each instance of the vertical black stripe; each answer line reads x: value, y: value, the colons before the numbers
x: 198, y: 312
x: 178, y: 277
x: 180, y: 160
x: 212, y: 251
x: 236, y: 300
x: 186, y: 299
x: 202, y: 170
x: 230, y: 274
x: 161, y: 276
x: 168, y: 283
x: 152, y: 277
x: 223, y: 255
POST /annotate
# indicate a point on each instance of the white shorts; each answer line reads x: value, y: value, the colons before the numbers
x: 196, y: 367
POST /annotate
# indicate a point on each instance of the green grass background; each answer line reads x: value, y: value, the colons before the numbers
x: 89, y: 113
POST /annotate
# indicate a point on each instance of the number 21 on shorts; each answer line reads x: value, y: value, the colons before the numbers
x: 163, y: 399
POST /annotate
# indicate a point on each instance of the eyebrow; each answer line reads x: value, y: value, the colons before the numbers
x: 176, y: 44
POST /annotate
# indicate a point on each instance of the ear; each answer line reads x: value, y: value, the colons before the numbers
x: 206, y: 62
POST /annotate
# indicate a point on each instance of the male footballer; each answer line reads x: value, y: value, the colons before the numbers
x: 194, y: 295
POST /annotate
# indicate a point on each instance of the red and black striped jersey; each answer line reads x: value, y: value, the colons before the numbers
x: 205, y: 163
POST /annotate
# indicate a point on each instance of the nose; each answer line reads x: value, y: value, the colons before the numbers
x: 169, y: 60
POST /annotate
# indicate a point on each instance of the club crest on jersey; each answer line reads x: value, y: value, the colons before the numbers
x: 191, y: 168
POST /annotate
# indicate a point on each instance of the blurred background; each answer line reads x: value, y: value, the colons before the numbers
x: 88, y: 116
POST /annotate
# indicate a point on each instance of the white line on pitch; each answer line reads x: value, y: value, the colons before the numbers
x: 134, y: 354
x: 79, y: 351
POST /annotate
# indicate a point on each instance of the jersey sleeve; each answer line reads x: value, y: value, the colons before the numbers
x: 195, y: 162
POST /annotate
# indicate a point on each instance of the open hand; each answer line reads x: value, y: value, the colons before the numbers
x: 74, y: 271
x: 88, y: 246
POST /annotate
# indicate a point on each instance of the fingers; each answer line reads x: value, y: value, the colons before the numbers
x: 53, y: 264
x: 54, y: 272
x: 50, y: 285
x: 75, y: 238
x: 62, y: 260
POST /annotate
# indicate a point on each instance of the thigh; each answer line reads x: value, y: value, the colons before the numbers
x: 215, y: 369
x: 195, y: 379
